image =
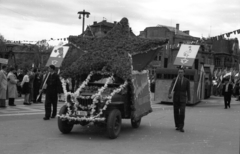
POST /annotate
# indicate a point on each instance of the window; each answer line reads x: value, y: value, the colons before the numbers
x: 217, y: 62
x: 159, y: 76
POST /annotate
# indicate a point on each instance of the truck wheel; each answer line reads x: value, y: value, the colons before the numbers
x: 135, y: 123
x: 114, y: 122
x: 64, y: 126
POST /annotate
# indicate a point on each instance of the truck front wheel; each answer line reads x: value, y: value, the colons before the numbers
x: 114, y: 122
x: 64, y: 126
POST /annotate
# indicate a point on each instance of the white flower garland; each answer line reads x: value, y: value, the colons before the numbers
x: 98, y: 94
x: 95, y: 98
x: 109, y: 98
x: 74, y: 95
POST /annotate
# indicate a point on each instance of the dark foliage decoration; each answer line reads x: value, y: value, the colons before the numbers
x: 110, y: 51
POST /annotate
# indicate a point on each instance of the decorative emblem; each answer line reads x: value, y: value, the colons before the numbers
x: 54, y: 62
x: 184, y: 61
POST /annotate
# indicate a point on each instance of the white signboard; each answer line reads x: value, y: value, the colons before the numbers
x: 57, y: 56
x: 186, y: 55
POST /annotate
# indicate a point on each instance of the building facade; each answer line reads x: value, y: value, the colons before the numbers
x: 226, y: 53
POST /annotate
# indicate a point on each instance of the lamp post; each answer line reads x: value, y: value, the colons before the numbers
x: 83, y: 13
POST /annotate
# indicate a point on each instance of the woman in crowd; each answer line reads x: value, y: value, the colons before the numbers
x: 25, y: 87
x: 12, y: 87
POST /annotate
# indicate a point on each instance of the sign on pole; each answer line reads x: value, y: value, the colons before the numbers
x: 186, y: 55
x: 3, y: 61
x: 57, y: 56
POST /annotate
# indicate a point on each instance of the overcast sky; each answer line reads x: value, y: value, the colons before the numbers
x: 35, y: 20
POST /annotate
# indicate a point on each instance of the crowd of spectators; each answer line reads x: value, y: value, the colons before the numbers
x: 24, y: 83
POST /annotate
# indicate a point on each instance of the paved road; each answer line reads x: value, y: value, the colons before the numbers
x: 209, y: 129
x: 38, y: 108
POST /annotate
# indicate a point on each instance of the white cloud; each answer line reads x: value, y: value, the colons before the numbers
x: 34, y: 20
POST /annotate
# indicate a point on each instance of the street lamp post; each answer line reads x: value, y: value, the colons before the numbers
x: 83, y: 13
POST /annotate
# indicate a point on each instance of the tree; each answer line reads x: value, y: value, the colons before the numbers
x: 1, y: 37
x: 2, y: 44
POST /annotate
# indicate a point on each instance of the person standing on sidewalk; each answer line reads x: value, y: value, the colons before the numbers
x: 181, y: 94
x: 25, y: 87
x: 20, y: 78
x: 227, y: 92
x: 3, y: 86
x: 52, y: 86
x: 12, y: 87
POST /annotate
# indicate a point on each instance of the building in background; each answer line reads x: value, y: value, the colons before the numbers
x: 100, y: 29
x: 226, y: 53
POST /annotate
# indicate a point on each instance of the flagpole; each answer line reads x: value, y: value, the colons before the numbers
x: 174, y: 84
x: 43, y: 85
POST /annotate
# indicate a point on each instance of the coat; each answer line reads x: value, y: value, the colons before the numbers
x: 3, y: 84
x: 53, y: 83
x: 229, y: 92
x: 12, y: 85
x: 181, y: 91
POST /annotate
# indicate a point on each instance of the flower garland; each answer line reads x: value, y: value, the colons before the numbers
x: 109, y: 98
x: 98, y: 94
x: 95, y: 98
x: 91, y: 119
x: 74, y: 95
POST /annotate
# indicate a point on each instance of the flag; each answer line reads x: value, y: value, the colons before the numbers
x: 228, y: 74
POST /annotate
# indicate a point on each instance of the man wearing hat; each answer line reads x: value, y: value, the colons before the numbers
x: 227, y: 92
x: 52, y: 88
x: 181, y: 94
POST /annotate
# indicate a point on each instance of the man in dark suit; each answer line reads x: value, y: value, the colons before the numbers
x: 227, y: 92
x: 52, y: 88
x: 180, y: 97
x: 20, y: 78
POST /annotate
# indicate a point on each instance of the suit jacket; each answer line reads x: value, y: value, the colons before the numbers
x: 53, y: 84
x: 181, y: 90
x: 229, y: 92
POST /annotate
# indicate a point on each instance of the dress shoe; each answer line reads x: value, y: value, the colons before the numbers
x: 45, y: 118
x: 12, y: 105
x: 53, y: 117
x: 181, y: 130
x: 3, y: 106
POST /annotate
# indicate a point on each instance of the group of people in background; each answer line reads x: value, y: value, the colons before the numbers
x: 32, y: 84
x: 218, y: 87
x: 15, y: 83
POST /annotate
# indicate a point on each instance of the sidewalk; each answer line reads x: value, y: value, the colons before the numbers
x: 213, y: 100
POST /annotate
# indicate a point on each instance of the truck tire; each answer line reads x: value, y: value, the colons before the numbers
x: 135, y: 123
x: 114, y: 122
x: 64, y: 126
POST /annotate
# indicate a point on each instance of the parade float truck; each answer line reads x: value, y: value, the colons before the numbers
x: 106, y: 102
x: 114, y: 83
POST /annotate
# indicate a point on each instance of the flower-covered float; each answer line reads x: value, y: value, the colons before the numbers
x: 113, y: 84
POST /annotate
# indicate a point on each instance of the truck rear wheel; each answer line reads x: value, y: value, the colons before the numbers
x: 135, y: 123
x: 114, y: 122
x: 64, y: 126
